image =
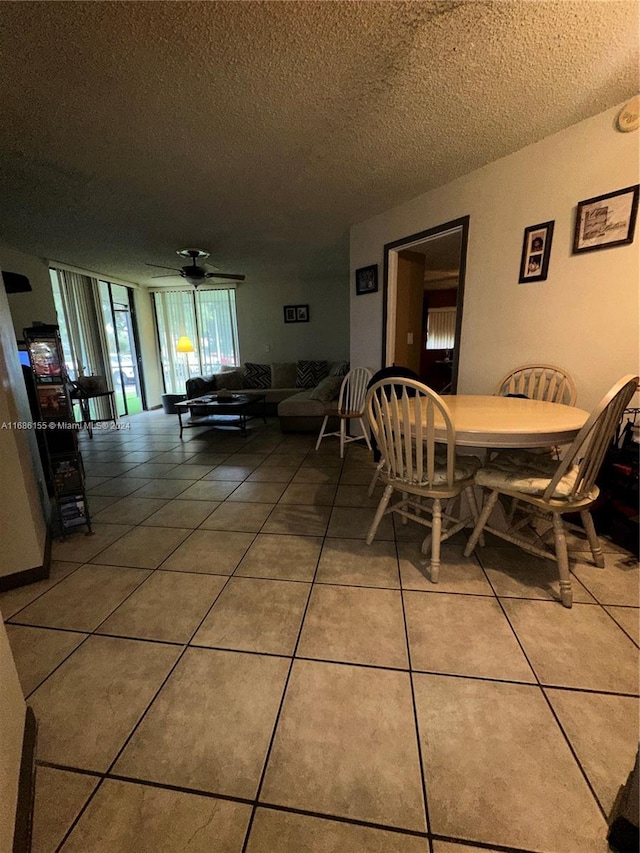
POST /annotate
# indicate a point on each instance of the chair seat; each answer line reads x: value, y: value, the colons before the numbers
x: 465, y: 468
x: 526, y: 472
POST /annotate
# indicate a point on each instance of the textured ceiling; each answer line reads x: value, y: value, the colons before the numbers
x: 261, y: 131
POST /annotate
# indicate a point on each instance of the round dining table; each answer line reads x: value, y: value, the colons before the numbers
x: 492, y: 421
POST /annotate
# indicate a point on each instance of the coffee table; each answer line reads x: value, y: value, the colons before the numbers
x: 204, y: 410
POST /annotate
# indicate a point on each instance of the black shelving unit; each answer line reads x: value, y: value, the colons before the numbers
x: 57, y: 427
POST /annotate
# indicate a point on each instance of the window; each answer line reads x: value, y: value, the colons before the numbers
x: 441, y: 328
x: 208, y: 319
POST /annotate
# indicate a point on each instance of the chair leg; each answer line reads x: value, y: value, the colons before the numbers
x: 365, y: 432
x: 343, y: 436
x: 322, y: 429
x: 562, y: 557
x: 484, y: 517
x: 592, y: 536
x: 384, y: 502
x: 405, y: 520
x: 374, y: 479
x: 436, y: 532
x: 473, y: 506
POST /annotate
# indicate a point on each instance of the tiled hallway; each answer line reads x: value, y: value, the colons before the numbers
x: 225, y: 666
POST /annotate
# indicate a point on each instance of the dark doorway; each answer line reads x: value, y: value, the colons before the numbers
x: 423, y: 302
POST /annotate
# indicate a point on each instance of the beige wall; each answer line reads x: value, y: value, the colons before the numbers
x: 23, y: 494
x: 583, y: 318
x: 12, y: 716
x: 151, y: 369
x: 261, y: 319
x: 36, y: 305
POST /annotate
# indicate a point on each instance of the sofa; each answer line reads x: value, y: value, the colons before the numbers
x: 299, y: 392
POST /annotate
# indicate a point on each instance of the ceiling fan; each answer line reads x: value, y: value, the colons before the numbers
x: 193, y: 273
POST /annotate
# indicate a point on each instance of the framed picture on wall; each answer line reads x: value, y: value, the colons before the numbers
x: 302, y: 313
x: 536, y: 251
x: 367, y: 279
x: 606, y: 220
x: 290, y: 314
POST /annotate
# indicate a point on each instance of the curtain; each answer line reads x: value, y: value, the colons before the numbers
x: 208, y: 319
x: 79, y: 302
x: 218, y: 329
x: 441, y: 328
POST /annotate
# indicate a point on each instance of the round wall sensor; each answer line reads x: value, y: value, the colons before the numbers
x: 629, y: 116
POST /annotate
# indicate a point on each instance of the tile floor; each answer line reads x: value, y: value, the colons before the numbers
x: 224, y: 665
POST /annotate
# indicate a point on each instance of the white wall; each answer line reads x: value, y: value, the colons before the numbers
x: 38, y: 304
x: 261, y: 320
x: 12, y: 717
x: 583, y: 318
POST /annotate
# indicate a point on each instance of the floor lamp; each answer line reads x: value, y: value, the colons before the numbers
x: 184, y: 345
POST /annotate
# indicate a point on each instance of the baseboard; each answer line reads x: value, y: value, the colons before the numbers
x: 26, y: 576
x: 26, y: 786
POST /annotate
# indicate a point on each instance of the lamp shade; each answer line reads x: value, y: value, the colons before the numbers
x: 184, y: 344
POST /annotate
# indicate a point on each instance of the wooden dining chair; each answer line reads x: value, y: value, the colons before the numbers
x: 386, y: 373
x: 555, y: 488
x: 350, y: 408
x: 539, y: 382
x: 402, y: 415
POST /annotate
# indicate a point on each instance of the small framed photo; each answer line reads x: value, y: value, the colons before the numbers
x: 290, y: 314
x: 367, y: 279
x: 606, y: 221
x: 302, y: 313
x: 536, y: 251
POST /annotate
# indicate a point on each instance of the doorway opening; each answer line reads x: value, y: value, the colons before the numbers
x: 423, y: 301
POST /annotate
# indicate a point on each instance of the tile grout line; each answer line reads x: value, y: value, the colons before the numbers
x: 416, y: 725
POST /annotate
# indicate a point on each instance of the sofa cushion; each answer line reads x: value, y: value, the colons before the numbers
x: 257, y: 375
x: 283, y: 374
x: 301, y: 404
x: 339, y: 368
x: 230, y: 380
x: 311, y: 373
x: 327, y: 390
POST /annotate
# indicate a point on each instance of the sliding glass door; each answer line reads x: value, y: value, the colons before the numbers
x: 99, y: 335
x: 124, y: 363
x: 197, y: 333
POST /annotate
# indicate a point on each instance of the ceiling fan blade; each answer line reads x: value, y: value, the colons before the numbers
x: 167, y: 275
x: 225, y: 275
x: 161, y: 267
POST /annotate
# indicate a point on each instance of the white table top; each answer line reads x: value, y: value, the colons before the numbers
x: 489, y: 421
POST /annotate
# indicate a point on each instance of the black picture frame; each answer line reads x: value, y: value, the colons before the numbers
x: 296, y: 313
x: 367, y: 280
x: 603, y: 226
x: 536, y: 252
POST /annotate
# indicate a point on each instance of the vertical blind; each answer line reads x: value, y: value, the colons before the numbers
x: 441, y: 328
x: 208, y: 319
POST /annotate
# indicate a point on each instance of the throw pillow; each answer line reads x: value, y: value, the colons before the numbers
x: 310, y: 373
x: 339, y: 368
x: 283, y: 374
x: 257, y: 375
x: 230, y: 380
x: 327, y: 390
